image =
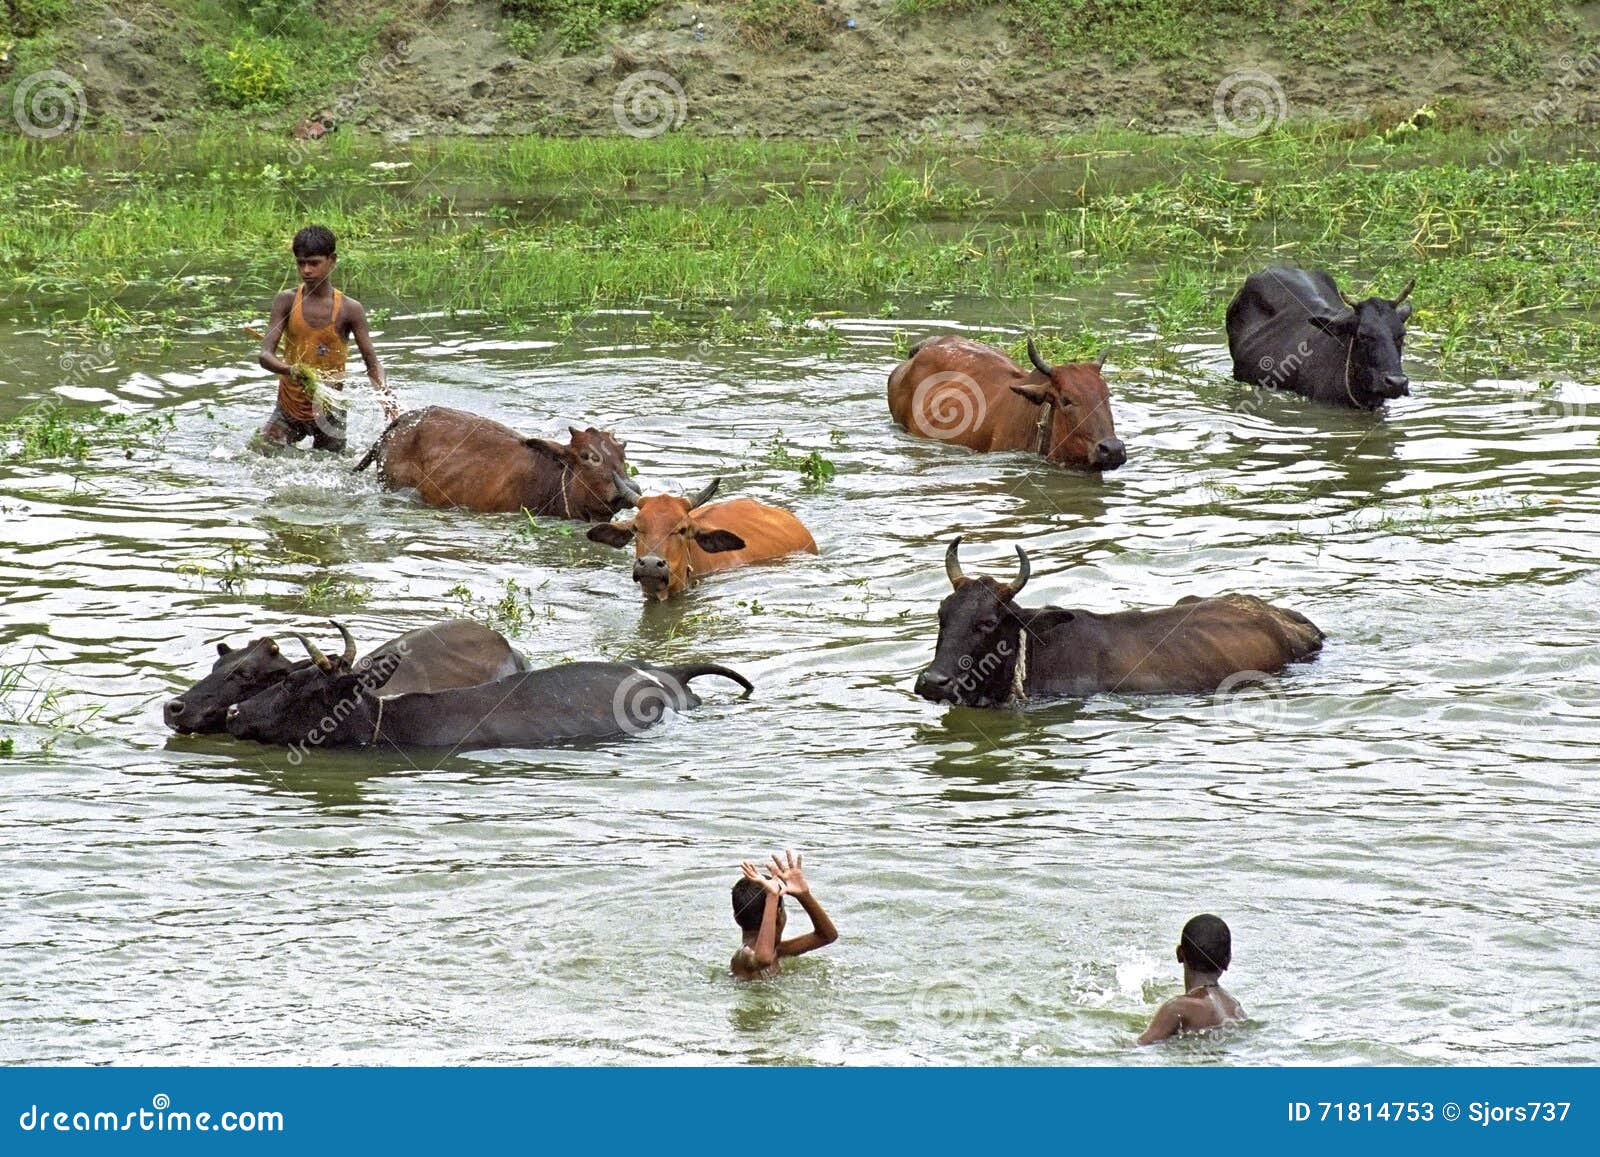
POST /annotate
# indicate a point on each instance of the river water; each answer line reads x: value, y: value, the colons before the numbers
x: 1400, y: 833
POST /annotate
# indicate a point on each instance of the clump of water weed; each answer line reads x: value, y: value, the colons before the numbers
x: 513, y: 612
x: 813, y: 468
x: 27, y: 699
x: 49, y: 432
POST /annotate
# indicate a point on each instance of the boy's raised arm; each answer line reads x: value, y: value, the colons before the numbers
x: 752, y: 960
x: 269, y: 358
x: 822, y: 931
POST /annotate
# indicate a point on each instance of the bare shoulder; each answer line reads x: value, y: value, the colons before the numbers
x: 283, y: 300
x: 746, y: 966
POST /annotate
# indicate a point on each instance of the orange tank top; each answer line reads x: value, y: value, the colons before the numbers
x: 322, y: 348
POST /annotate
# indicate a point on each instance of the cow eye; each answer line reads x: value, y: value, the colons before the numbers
x: 988, y: 624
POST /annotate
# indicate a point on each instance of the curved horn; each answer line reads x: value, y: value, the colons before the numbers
x: 322, y: 661
x: 349, y: 655
x: 1100, y: 363
x: 1346, y: 300
x: 1038, y: 362
x: 705, y: 495
x: 1023, y: 571
x: 1406, y: 292
x: 626, y: 490
x: 952, y: 562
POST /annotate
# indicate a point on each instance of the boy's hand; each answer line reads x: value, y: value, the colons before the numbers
x: 794, y: 880
x: 751, y: 872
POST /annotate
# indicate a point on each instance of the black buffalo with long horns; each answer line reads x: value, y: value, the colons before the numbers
x: 1294, y: 329
x: 991, y: 651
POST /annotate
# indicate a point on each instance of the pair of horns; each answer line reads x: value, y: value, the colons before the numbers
x: 952, y: 567
x: 322, y: 661
x: 1045, y: 368
x: 631, y: 492
x: 1404, y: 293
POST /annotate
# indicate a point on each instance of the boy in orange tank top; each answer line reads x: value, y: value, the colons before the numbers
x: 314, y: 322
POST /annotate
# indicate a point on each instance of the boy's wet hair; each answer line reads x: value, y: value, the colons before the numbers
x: 749, y: 902
x: 1207, y: 944
x: 314, y: 241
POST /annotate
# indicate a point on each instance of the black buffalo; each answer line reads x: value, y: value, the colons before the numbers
x: 456, y: 653
x: 990, y: 650
x: 329, y: 704
x: 1294, y: 329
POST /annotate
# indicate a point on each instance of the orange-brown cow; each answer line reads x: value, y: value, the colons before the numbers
x: 675, y: 539
x: 957, y: 390
x: 454, y: 458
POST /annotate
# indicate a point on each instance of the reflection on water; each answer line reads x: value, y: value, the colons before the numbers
x: 1397, y: 831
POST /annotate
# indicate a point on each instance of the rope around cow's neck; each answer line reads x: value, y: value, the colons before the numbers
x: 377, y: 724
x: 1349, y: 359
x: 566, y: 505
x: 1043, y: 425
x: 1019, y: 673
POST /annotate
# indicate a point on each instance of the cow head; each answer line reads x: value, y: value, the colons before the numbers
x: 980, y: 637
x: 238, y: 673
x: 662, y: 529
x: 1082, y: 433
x: 326, y: 702
x: 1373, y: 334
x: 594, y: 471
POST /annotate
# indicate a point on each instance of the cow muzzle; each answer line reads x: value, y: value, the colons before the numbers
x: 1396, y: 386
x: 652, y: 574
x: 1109, y: 453
x: 937, y: 687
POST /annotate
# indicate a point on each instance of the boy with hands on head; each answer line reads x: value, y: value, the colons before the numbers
x: 758, y: 910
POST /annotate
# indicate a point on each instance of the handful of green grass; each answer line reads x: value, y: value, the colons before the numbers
x: 307, y: 378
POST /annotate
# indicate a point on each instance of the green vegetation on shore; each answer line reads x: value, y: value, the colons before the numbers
x: 1507, y: 254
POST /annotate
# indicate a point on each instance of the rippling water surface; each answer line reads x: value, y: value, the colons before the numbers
x: 1401, y: 833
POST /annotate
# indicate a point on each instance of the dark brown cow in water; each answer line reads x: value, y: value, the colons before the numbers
x: 453, y: 458
x: 957, y: 390
x: 990, y: 650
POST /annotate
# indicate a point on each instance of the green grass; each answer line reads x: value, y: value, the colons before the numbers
x: 572, y: 24
x: 739, y: 241
x: 50, y: 432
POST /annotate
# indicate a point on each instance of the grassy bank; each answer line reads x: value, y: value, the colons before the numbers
x: 112, y: 236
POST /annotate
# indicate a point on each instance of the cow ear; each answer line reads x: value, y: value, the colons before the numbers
x: 717, y: 541
x: 223, y: 649
x: 1334, y: 324
x: 1038, y: 395
x: 1403, y: 311
x: 548, y: 448
x: 617, y: 534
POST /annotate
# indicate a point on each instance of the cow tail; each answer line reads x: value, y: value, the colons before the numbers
x: 687, y: 671
x: 377, y: 447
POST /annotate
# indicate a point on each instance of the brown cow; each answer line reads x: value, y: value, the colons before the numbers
x: 957, y: 390
x: 671, y: 547
x: 454, y: 458
x: 990, y: 650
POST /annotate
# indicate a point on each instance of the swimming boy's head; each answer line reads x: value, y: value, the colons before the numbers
x: 314, y: 253
x: 1206, y: 945
x: 749, y: 902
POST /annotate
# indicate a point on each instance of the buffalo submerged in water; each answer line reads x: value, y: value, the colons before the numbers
x: 991, y: 650
x: 328, y: 704
x: 455, y: 653
x: 1294, y: 329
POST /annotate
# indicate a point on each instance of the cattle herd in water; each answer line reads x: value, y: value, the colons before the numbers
x: 459, y: 684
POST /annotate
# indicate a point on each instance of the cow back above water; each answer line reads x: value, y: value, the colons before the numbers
x: 991, y: 650
x: 454, y: 458
x: 957, y: 390
x: 1293, y: 329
